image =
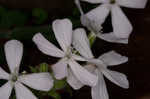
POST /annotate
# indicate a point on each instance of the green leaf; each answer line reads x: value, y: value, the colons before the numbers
x: 12, y: 18
x: 40, y: 15
x: 33, y: 69
x: 59, y: 84
x: 54, y: 94
x: 5, y: 35
x: 26, y: 33
x: 2, y: 10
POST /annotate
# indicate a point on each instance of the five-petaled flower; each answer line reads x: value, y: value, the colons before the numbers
x: 122, y: 27
x: 38, y: 81
x: 99, y: 66
x: 67, y: 64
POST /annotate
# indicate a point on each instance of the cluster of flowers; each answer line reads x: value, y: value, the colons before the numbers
x: 75, y: 47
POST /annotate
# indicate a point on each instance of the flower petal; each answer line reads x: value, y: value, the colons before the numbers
x: 117, y: 78
x: 121, y: 25
x: 13, y: 53
x: 73, y: 81
x: 60, y: 69
x: 111, y: 37
x: 39, y: 81
x: 100, y: 91
x: 46, y: 47
x: 81, y: 43
x: 82, y: 74
x: 98, y: 15
x: 3, y: 74
x: 78, y: 58
x: 96, y: 1
x: 63, y: 32
x: 22, y: 92
x: 132, y: 3
x: 113, y: 58
x: 5, y: 90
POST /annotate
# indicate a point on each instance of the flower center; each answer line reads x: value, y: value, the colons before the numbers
x: 14, y: 78
x: 112, y: 1
x: 69, y: 53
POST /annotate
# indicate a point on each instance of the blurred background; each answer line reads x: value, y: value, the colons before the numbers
x: 21, y: 19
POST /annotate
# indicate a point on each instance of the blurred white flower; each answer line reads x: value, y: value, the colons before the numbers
x: 99, y: 66
x: 122, y: 27
x: 38, y: 81
x: 67, y: 64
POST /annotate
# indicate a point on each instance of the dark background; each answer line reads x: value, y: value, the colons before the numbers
x: 138, y: 49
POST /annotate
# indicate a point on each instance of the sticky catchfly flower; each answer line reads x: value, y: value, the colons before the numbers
x: 67, y: 64
x: 38, y: 81
x: 122, y: 27
x: 99, y: 66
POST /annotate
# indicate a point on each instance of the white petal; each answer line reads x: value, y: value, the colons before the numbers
x: 97, y: 62
x: 82, y: 74
x: 117, y: 78
x: 99, y: 14
x: 96, y: 1
x: 5, y: 90
x: 3, y: 74
x: 22, y: 92
x: 78, y: 58
x: 60, y: 69
x: 100, y: 91
x: 113, y: 58
x: 121, y: 25
x: 132, y: 3
x: 73, y: 81
x: 63, y: 32
x: 90, y: 67
x: 13, y: 53
x: 39, y: 81
x: 46, y: 47
x: 111, y: 37
x: 81, y: 43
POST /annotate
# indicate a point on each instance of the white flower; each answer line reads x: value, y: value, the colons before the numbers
x: 122, y: 27
x: 63, y: 32
x: 39, y: 81
x: 99, y: 66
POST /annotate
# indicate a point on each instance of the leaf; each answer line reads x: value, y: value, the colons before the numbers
x: 33, y: 69
x: 13, y: 18
x: 40, y: 15
x: 59, y: 84
x: 2, y: 10
x: 54, y: 94
x: 26, y: 33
